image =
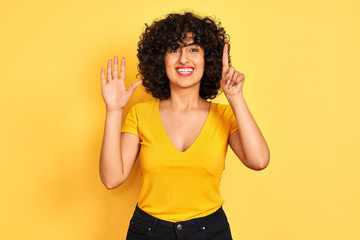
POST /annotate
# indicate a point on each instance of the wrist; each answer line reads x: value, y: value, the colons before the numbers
x: 114, y: 112
x: 235, y: 97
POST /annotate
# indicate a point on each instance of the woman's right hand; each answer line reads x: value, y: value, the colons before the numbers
x: 114, y: 91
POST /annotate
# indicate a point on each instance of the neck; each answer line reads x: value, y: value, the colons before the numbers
x: 185, y: 98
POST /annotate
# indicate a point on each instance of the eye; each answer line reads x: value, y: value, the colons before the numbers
x: 194, y: 50
x: 174, y: 50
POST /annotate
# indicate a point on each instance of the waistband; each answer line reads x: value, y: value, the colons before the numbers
x: 201, y: 221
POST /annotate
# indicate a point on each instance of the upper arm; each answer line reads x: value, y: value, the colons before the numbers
x: 235, y: 144
x: 130, y: 141
x: 130, y: 146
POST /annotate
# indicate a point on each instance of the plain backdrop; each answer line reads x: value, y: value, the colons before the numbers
x: 301, y: 65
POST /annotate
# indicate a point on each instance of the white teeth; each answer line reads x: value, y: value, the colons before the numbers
x: 185, y: 70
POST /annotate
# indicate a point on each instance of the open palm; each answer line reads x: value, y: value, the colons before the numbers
x: 114, y: 91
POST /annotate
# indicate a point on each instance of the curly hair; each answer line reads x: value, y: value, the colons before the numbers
x: 168, y: 33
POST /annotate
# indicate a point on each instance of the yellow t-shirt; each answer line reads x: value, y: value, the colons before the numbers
x: 178, y: 186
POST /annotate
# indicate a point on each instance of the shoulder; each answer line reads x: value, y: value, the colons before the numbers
x: 145, y: 106
x: 221, y: 108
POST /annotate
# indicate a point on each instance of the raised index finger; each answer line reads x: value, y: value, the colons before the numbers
x: 225, y: 58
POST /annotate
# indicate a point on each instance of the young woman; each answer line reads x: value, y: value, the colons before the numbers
x: 180, y: 137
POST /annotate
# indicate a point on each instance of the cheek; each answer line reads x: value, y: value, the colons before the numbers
x: 201, y: 63
x: 169, y: 62
x: 169, y: 67
x: 201, y: 60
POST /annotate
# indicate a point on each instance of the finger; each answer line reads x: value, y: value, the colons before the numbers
x: 122, y: 69
x: 234, y: 78
x: 109, y: 71
x: 225, y: 58
x: 102, y: 76
x: 230, y: 73
x: 229, y: 76
x: 115, y: 68
x: 241, y: 77
x: 239, y: 81
x: 133, y: 86
x: 122, y: 72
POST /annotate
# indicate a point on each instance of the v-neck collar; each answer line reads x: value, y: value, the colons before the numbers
x: 198, y: 138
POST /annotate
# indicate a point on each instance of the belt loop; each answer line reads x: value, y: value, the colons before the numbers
x: 154, y: 225
x: 199, y: 225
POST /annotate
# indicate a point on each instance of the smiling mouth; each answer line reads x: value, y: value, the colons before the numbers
x: 185, y: 71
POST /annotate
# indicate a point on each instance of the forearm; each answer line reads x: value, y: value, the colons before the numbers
x: 252, y: 141
x: 111, y: 165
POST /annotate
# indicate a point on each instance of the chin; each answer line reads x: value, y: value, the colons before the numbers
x: 187, y: 84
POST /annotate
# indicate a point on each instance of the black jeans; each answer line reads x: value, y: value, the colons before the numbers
x: 212, y: 227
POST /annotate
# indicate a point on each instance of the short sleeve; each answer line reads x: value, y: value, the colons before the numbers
x: 131, y: 122
x: 232, y: 122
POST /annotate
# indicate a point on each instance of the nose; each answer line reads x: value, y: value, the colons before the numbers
x: 183, y: 56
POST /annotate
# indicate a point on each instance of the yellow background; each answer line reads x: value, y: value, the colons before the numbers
x: 301, y: 63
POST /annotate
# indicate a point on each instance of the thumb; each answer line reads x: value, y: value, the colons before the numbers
x: 133, y: 86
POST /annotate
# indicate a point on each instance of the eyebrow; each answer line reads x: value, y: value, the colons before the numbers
x: 190, y: 44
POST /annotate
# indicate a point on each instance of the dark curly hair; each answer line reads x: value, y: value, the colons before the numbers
x: 167, y: 33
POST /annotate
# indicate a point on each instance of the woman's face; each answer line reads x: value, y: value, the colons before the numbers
x: 185, y: 65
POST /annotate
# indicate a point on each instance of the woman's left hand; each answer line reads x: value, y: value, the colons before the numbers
x: 232, y: 81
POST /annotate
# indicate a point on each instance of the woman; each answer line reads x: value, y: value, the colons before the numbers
x: 180, y: 137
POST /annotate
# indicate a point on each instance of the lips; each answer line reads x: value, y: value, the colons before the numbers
x: 184, y: 71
